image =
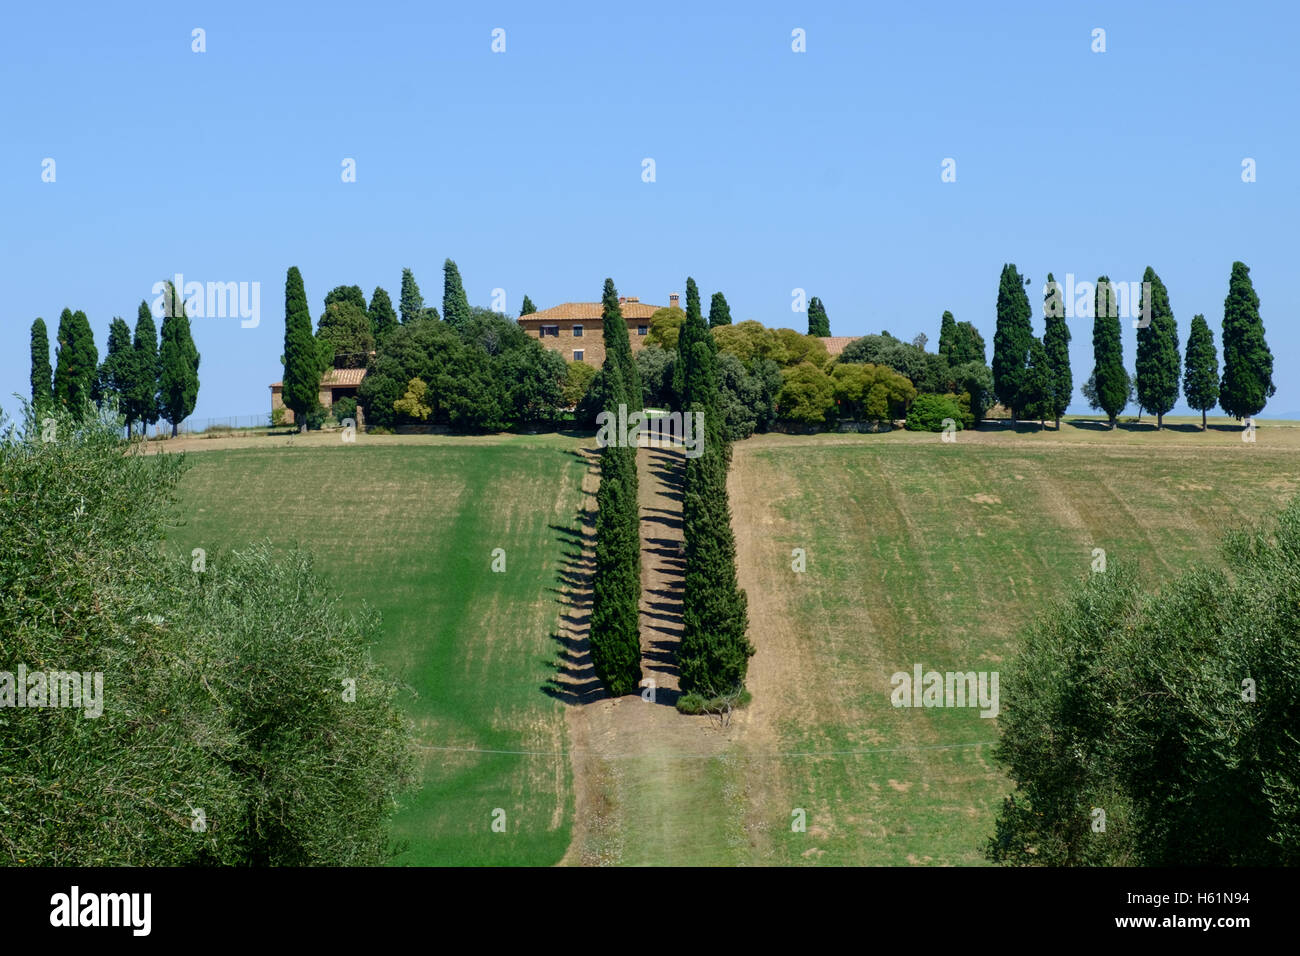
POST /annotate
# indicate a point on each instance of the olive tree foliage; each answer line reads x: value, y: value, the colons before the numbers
x: 242, y: 721
x: 1171, y: 707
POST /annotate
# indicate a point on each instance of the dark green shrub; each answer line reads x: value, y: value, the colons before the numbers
x: 927, y: 413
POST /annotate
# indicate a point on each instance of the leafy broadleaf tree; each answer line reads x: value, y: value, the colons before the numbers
x: 719, y: 311
x: 77, y: 362
x: 1247, y: 362
x: 42, y: 377
x: 1157, y: 351
x: 819, y: 323
x: 302, y: 354
x: 142, y: 393
x: 346, y: 293
x: 1056, y: 345
x: 455, y: 304
x: 344, y: 335
x: 1201, y: 369
x: 178, y: 365
x: 1012, y: 341
x: 1110, y: 382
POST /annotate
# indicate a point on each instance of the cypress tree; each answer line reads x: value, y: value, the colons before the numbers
x: 1011, y: 341
x: 692, y: 330
x: 947, y: 336
x: 968, y: 345
x: 302, y: 356
x: 383, y: 319
x: 1157, y: 351
x: 455, y: 304
x: 411, y: 302
x: 142, y: 393
x: 619, y: 347
x: 527, y: 308
x: 1056, y: 346
x: 1110, y: 379
x: 42, y: 377
x: 1247, y: 383
x: 713, y: 657
x: 615, y: 634
x: 719, y: 311
x: 1201, y: 371
x: 178, y: 367
x: 818, y: 322
x: 114, y: 374
x: 76, y: 363
x: 1040, y: 384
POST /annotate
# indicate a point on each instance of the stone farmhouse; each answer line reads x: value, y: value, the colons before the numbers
x: 574, y: 328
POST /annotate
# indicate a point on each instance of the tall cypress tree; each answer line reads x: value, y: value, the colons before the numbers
x: 1201, y: 370
x: 178, y: 367
x: 615, y: 633
x: 42, y: 377
x: 818, y: 322
x: 76, y: 363
x: 619, y: 346
x: 411, y: 302
x: 719, y: 311
x: 455, y: 304
x: 947, y: 336
x: 692, y: 330
x: 1109, y: 377
x: 142, y: 393
x: 114, y: 374
x: 1157, y: 351
x: 713, y: 657
x: 302, y: 356
x: 527, y: 308
x: 383, y: 319
x: 1011, y: 341
x: 968, y: 345
x: 1247, y: 362
x: 1056, y: 346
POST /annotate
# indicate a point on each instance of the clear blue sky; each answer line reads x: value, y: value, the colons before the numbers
x: 775, y: 170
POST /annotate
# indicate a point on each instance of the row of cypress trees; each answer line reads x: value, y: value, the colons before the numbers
x: 714, y: 653
x: 146, y: 380
x: 1032, y: 377
x: 615, y: 635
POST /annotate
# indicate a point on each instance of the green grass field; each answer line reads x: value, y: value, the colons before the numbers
x: 917, y: 551
x: 410, y: 529
x: 920, y: 551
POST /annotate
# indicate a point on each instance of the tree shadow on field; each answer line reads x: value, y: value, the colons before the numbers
x: 663, y: 557
x: 575, y: 682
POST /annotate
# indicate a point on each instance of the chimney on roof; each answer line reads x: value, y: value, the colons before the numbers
x: 622, y: 299
x: 634, y: 298
x: 672, y: 301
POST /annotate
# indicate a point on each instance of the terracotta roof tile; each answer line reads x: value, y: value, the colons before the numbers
x: 589, y: 310
x: 835, y: 344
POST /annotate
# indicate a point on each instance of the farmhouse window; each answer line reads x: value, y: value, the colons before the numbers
x: 642, y: 329
x: 577, y: 355
x: 546, y: 330
x: 577, y: 331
